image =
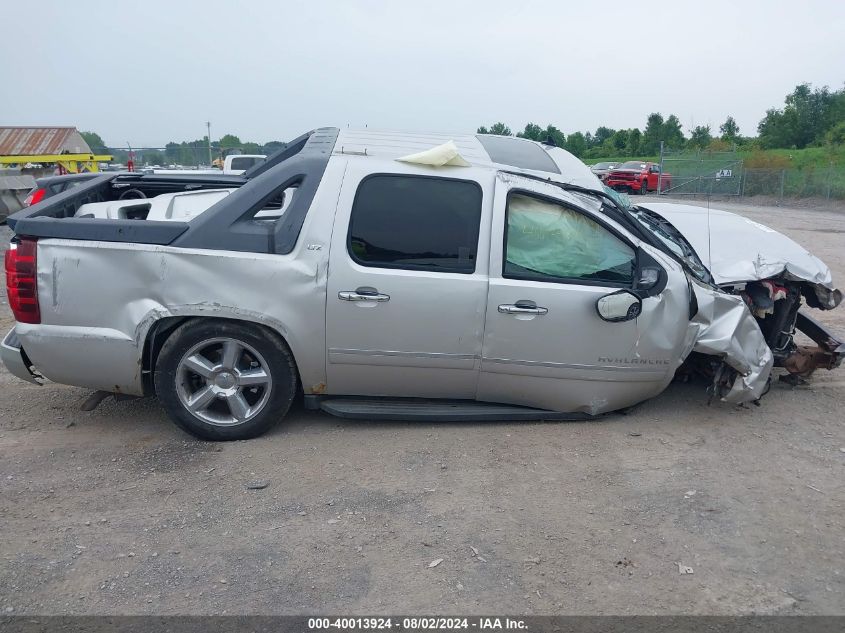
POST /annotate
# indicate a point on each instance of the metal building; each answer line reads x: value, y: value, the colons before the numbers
x: 63, y: 146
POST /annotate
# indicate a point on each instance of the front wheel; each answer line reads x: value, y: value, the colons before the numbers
x: 223, y: 380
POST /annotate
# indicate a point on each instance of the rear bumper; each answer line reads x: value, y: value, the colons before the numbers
x: 103, y: 359
x: 13, y: 358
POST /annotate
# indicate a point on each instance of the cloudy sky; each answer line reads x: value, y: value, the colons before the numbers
x: 146, y: 72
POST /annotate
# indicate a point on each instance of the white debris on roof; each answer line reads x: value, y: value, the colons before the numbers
x: 440, y: 156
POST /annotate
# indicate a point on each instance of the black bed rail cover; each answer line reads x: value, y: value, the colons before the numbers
x: 99, y: 230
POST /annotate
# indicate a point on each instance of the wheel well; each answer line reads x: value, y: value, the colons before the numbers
x: 163, y: 328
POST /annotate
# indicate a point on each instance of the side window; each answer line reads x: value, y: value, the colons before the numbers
x: 416, y: 223
x: 545, y: 241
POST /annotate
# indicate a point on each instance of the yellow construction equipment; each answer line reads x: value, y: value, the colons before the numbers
x: 70, y: 163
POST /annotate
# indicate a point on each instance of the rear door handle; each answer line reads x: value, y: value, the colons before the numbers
x: 522, y: 306
x: 363, y: 293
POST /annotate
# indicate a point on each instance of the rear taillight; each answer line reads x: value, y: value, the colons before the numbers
x: 21, y: 285
x: 35, y: 196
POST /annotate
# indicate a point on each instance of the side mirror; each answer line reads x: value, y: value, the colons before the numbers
x: 651, y: 276
x: 622, y: 305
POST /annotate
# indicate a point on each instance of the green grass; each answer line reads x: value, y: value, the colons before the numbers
x: 809, y: 158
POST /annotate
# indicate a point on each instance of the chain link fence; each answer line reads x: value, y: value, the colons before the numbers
x: 705, y: 173
x: 700, y: 173
x: 824, y: 183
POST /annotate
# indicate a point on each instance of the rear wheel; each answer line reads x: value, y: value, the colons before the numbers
x: 644, y: 187
x: 223, y: 380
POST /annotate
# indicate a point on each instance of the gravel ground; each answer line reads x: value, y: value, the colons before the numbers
x: 118, y: 512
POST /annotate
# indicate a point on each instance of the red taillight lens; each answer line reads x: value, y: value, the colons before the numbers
x: 21, y: 285
x: 34, y: 197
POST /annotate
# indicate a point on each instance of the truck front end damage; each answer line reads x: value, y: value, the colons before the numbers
x: 777, y: 278
x: 776, y: 305
x: 729, y: 347
x: 776, y: 284
x: 826, y: 354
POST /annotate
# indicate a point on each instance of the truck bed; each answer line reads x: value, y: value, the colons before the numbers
x: 230, y: 224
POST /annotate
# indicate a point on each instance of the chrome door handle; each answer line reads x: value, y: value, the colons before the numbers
x: 364, y: 293
x: 522, y: 307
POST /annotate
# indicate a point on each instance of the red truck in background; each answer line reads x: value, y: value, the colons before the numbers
x: 638, y: 177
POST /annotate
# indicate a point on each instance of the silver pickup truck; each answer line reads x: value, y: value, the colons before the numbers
x: 416, y: 276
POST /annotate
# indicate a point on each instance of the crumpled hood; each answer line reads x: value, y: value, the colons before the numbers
x: 738, y: 250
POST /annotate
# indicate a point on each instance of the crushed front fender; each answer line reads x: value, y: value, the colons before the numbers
x: 725, y: 328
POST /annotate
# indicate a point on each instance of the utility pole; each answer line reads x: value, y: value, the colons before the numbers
x: 208, y: 125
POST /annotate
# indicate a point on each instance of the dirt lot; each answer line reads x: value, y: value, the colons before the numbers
x: 117, y: 511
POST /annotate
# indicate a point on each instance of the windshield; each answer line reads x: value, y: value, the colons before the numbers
x: 672, y: 238
x: 603, y: 165
x: 632, y: 164
x: 621, y: 199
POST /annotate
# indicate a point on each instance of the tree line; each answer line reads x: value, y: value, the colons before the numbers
x: 809, y: 118
x: 187, y: 153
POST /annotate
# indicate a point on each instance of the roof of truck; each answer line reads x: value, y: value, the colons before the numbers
x: 481, y: 150
x: 302, y: 163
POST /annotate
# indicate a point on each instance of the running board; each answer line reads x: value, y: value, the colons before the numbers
x: 438, y: 411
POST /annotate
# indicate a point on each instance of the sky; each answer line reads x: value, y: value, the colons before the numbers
x: 147, y: 72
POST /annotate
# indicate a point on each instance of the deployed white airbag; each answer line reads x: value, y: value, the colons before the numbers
x: 536, y: 230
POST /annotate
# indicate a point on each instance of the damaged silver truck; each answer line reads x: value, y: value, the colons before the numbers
x: 401, y: 276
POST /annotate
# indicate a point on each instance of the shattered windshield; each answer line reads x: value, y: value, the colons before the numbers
x: 621, y: 199
x: 672, y: 238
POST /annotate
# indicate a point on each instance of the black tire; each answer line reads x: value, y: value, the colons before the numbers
x: 644, y: 187
x: 273, y: 357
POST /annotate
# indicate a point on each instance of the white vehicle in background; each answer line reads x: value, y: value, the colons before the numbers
x: 233, y: 165
x: 236, y: 164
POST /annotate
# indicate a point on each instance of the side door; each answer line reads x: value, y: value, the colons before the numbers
x: 545, y: 344
x: 407, y: 286
x: 653, y: 176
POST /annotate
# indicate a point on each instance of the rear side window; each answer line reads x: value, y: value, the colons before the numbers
x: 416, y: 223
x: 245, y: 162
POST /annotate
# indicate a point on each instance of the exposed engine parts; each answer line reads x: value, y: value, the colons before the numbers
x: 775, y: 304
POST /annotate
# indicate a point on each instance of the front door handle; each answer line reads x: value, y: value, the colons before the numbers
x: 522, y: 306
x: 363, y: 293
